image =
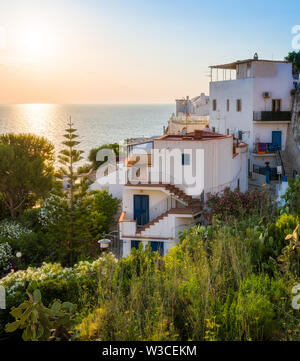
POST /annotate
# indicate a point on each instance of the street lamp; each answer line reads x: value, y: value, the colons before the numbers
x: 104, y: 243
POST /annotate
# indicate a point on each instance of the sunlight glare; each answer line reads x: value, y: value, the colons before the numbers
x: 36, y: 41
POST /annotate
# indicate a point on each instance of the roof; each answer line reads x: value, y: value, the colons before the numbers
x: 141, y: 142
x: 234, y: 64
x: 198, y: 135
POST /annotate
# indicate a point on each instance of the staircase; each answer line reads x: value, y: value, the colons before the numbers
x: 180, y: 194
x: 286, y: 165
x: 296, y: 116
x: 193, y: 206
x: 154, y: 221
x: 290, y: 157
x: 145, y: 230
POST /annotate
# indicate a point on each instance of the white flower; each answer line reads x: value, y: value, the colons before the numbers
x: 51, y: 211
x: 12, y: 230
x: 5, y: 257
x: 16, y: 280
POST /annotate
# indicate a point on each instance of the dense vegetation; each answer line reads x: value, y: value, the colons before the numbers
x: 47, y: 215
x: 96, y: 163
x: 229, y: 280
x: 294, y: 57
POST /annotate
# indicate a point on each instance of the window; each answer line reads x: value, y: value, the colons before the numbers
x: 240, y: 135
x: 214, y: 105
x: 157, y: 247
x: 214, y: 129
x: 185, y: 159
x: 276, y: 105
x: 228, y: 105
x: 227, y: 131
x: 239, y: 105
x: 135, y: 244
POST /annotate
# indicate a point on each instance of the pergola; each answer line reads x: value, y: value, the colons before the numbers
x: 224, y: 68
x: 233, y: 66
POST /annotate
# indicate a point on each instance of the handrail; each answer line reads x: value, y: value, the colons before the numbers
x: 268, y: 116
x: 165, y: 204
x: 269, y: 148
x: 282, y: 165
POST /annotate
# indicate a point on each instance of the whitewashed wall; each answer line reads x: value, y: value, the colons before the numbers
x: 157, y: 201
x: 220, y: 167
x: 222, y: 119
x: 262, y: 132
x: 275, y: 78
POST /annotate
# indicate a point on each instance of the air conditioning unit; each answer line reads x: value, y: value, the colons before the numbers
x: 266, y: 95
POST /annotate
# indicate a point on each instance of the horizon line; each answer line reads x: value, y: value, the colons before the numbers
x: 87, y: 104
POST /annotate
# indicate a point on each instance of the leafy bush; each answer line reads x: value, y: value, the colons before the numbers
x: 41, y: 323
x: 210, y: 287
x: 93, y: 213
x: 93, y: 154
x: 290, y: 257
x: 12, y: 230
x: 274, y: 234
x: 237, y: 205
x: 292, y: 197
x: 250, y: 313
x: 77, y: 285
x: 5, y: 258
x: 4, y: 211
x: 52, y: 211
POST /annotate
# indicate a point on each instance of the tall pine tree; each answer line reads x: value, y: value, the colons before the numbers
x: 68, y: 158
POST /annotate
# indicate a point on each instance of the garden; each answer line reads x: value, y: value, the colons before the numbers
x: 230, y: 277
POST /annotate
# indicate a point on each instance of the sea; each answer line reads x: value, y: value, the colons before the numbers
x: 96, y: 124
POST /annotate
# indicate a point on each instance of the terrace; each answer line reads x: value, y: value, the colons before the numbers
x: 265, y: 148
x: 269, y: 116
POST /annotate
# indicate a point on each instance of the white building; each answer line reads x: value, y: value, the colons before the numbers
x: 198, y: 105
x: 191, y: 114
x: 164, y: 191
x: 252, y: 99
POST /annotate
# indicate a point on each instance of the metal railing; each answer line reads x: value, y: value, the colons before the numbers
x: 265, y: 148
x: 181, y: 119
x: 268, y: 116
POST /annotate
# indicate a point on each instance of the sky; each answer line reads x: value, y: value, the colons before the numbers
x: 132, y: 51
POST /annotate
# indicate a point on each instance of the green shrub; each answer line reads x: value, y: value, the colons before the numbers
x: 251, y: 312
x: 77, y: 285
x: 273, y: 236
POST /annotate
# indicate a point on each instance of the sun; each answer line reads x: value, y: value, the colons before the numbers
x: 36, y: 41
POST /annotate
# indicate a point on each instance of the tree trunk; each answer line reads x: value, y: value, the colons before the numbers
x: 11, y: 208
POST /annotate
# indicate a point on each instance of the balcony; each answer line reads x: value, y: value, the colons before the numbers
x: 272, y: 116
x: 127, y: 226
x: 265, y: 148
